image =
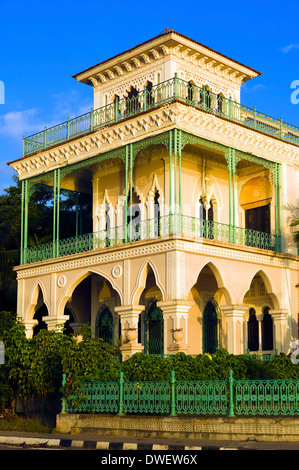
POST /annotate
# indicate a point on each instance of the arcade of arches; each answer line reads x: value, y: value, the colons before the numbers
x: 206, y: 319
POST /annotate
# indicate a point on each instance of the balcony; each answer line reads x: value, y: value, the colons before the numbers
x: 158, y: 228
x: 158, y: 95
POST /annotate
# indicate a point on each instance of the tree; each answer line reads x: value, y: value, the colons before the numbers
x: 296, y: 233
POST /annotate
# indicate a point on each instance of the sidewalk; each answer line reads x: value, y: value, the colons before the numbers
x: 84, y: 441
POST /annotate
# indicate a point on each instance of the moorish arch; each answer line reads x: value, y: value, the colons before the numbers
x: 206, y: 324
x: 37, y: 310
x: 148, y: 267
x: 268, y: 287
x: 70, y: 288
x: 36, y: 299
x: 259, y: 322
x: 218, y: 277
x: 151, y: 321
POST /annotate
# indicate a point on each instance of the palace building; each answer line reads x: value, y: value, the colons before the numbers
x: 171, y: 208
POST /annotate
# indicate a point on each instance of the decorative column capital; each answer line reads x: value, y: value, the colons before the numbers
x: 177, y: 307
x: 280, y: 314
x: 29, y: 326
x: 235, y: 311
x: 55, y: 322
x: 129, y: 312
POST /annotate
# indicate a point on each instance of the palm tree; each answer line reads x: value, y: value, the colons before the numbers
x: 296, y: 233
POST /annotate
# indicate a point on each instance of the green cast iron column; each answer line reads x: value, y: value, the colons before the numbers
x: 233, y: 193
x: 54, y: 214
x: 170, y: 181
x: 126, y: 200
x: 57, y: 211
x: 175, y: 148
x: 180, y: 179
x: 22, y: 223
x: 131, y: 188
x: 277, y: 183
x: 229, y: 164
x: 26, y: 201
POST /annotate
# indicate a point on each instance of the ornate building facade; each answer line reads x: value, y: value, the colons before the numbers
x: 182, y: 200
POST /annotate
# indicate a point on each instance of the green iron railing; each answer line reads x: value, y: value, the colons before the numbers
x: 165, y: 92
x: 150, y: 229
x: 175, y: 397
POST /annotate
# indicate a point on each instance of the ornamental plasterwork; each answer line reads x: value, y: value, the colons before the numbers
x: 194, y: 121
x: 89, y: 259
x: 216, y: 84
x: 123, y: 89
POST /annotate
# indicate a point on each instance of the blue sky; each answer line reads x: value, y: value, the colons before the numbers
x: 44, y: 43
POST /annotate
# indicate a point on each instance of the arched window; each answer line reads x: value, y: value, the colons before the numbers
x: 107, y: 225
x: 219, y: 103
x: 267, y: 330
x: 190, y: 91
x: 132, y: 102
x: 116, y: 109
x: 205, y: 97
x: 208, y: 218
x: 153, y: 329
x: 149, y: 94
x: 134, y: 216
x: 157, y: 213
x: 212, y: 327
x: 253, y: 331
x: 104, y: 325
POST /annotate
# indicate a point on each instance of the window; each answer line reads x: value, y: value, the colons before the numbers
x: 132, y: 102
x: 267, y: 330
x: 253, y: 331
x: 205, y: 97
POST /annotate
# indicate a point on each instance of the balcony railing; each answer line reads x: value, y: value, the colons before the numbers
x: 153, y: 229
x: 158, y: 95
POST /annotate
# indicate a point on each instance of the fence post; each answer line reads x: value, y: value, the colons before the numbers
x: 63, y: 407
x: 121, y: 394
x: 230, y: 395
x: 172, y: 381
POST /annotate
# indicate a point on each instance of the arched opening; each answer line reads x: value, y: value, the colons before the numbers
x: 260, y: 322
x: 205, y: 97
x: 211, y: 327
x: 255, y: 199
x: 206, y: 213
x: 190, y: 91
x: 90, y: 298
x: 151, y: 321
x: 104, y: 327
x: 220, y: 102
x: 148, y: 94
x: 154, y: 329
x: 132, y: 102
x: 133, y: 216
x: 157, y: 214
x: 206, y: 327
x: 267, y: 330
x: 41, y: 312
x: 253, y: 331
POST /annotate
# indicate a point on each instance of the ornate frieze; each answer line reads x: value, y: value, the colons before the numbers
x: 194, y: 121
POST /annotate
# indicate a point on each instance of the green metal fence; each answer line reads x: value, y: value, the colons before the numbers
x: 166, y: 92
x: 153, y: 228
x: 203, y: 397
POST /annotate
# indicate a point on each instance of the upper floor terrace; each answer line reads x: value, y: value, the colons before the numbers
x: 157, y: 93
x: 155, y: 96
